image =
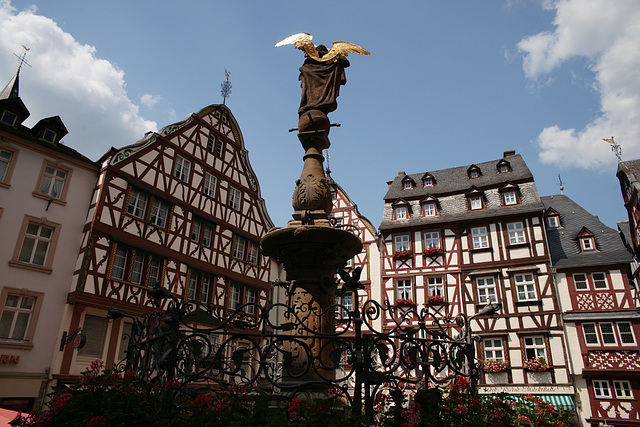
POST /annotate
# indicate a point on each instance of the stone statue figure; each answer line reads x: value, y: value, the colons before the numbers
x: 321, y: 76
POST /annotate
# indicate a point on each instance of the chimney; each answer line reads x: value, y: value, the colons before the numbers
x: 389, y: 183
x: 509, y: 153
x: 401, y: 173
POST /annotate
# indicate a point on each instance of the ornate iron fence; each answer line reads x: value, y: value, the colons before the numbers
x: 277, y: 348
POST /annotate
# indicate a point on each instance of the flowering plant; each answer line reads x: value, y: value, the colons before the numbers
x: 402, y: 254
x: 435, y: 300
x: 405, y: 302
x: 432, y: 251
x: 495, y: 365
x: 536, y: 364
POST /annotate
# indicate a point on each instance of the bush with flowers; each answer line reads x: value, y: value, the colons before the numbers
x: 404, y: 302
x: 536, y: 364
x: 495, y: 365
x: 402, y: 254
x: 432, y: 251
x: 112, y: 398
x: 435, y: 300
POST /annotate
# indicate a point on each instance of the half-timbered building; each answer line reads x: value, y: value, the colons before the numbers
x: 180, y: 208
x: 345, y: 215
x: 45, y: 188
x: 455, y: 240
x: 591, y: 268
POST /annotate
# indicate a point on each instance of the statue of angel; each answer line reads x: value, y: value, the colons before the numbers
x: 322, y: 73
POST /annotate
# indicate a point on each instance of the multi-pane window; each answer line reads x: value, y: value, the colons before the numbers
x: 427, y: 182
x: 607, y: 333
x: 210, y: 181
x: 96, y: 328
x: 474, y: 174
x: 429, y: 209
x: 626, y: 333
x: 599, y: 280
x: 211, y: 143
x: 240, y: 247
x: 479, y: 237
x: 250, y: 298
x: 196, y: 230
x: 407, y: 185
x: 235, y: 299
x: 623, y: 389
x: 503, y: 169
x: 401, y: 242
x: 587, y: 243
x: 8, y: 117
x: 435, y: 286
x: 219, y: 148
x: 131, y: 265
x: 252, y: 253
x: 580, y: 281
x: 137, y: 267
x: 347, y: 302
x: 515, y: 230
x: 49, y: 135
x: 475, y: 202
x: 148, y: 208
x: 534, y: 347
x: 241, y: 295
x: 590, y: 334
x: 525, y: 287
x: 400, y: 212
x: 5, y: 162
x: 431, y: 239
x: 200, y: 286
x: 486, y: 287
x: 509, y: 198
x: 552, y: 221
x: 207, y: 235
x: 601, y: 389
x: 155, y: 272
x: 246, y: 250
x: 52, y: 183
x: 16, y: 317
x: 35, y: 244
x: 493, y: 349
x: 404, y: 289
x: 201, y: 232
x: 235, y: 196
x: 182, y: 169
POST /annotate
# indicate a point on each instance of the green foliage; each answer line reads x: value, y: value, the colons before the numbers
x: 112, y: 398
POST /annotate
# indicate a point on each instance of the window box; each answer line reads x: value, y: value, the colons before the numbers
x: 405, y: 302
x: 402, y: 254
x: 436, y: 300
x: 493, y: 366
x: 433, y: 251
x: 536, y: 364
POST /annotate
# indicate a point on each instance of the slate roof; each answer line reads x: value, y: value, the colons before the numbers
x: 563, y: 241
x: 450, y: 191
x: 632, y: 169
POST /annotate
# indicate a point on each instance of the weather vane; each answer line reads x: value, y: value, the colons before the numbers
x: 561, y: 184
x: 617, y: 150
x: 22, y: 57
x: 226, y: 87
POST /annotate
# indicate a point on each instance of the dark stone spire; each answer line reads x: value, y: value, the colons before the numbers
x: 11, y: 89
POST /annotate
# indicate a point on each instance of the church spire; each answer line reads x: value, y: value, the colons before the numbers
x: 11, y: 90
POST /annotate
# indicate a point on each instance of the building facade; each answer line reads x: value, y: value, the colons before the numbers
x: 455, y: 240
x: 45, y: 188
x: 591, y: 268
x: 182, y: 209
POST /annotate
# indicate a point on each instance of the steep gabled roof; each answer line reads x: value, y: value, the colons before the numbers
x: 563, y: 241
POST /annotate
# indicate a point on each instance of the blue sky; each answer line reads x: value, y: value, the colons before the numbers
x: 447, y: 84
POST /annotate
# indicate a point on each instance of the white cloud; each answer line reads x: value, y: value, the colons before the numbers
x: 606, y: 33
x: 150, y: 100
x: 67, y: 79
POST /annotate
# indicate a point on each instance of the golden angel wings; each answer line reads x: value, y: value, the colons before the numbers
x: 303, y: 41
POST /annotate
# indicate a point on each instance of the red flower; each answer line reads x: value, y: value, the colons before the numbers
x: 97, y: 421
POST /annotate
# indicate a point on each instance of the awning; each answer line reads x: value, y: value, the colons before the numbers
x: 560, y: 401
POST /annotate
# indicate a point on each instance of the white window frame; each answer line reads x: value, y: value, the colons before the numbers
x: 159, y: 213
x: 250, y: 296
x: 480, y: 237
x: 534, y: 347
x: 9, y: 117
x: 587, y: 243
x: 578, y: 283
x: 493, y: 349
x: 400, y: 213
x: 627, y: 333
x: 427, y: 182
x: 552, y: 221
x: 235, y: 198
x: 429, y: 209
x: 401, y: 242
x: 240, y: 247
x: 435, y: 286
x: 601, y: 389
x: 590, y: 332
x: 6, y: 156
x: 404, y: 288
x: 137, y: 205
x: 515, y: 231
x: 35, y: 245
x: 182, y: 169
x: 235, y: 299
x: 475, y: 203
x: 16, y: 320
x: 253, y: 251
x: 608, y: 333
x: 600, y: 283
x: 407, y: 185
x: 510, y: 198
x: 53, y: 181
x: 431, y: 239
x: 623, y: 389
x: 503, y: 169
x: 525, y: 284
x: 210, y: 182
x: 486, y: 289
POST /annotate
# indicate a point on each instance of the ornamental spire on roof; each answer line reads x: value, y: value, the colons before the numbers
x: 11, y: 90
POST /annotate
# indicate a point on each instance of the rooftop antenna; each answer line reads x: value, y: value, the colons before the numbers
x: 226, y: 87
x: 561, y: 185
x: 617, y: 150
x: 22, y: 57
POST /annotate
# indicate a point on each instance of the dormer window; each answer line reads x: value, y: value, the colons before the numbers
x: 428, y: 180
x: 400, y: 210
x: 474, y: 172
x: 587, y: 240
x: 503, y: 166
x: 429, y: 206
x: 475, y: 199
x: 509, y: 193
x: 407, y: 185
x: 49, y: 135
x: 8, y: 117
x: 552, y: 221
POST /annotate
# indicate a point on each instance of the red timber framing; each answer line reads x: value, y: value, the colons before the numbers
x: 182, y: 208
